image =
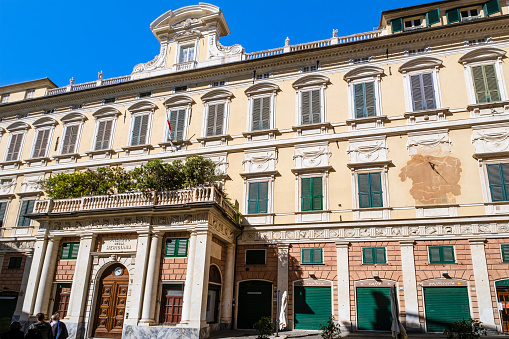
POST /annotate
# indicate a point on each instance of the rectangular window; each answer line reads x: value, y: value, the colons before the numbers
x: 187, y: 53
x: 62, y: 296
x: 311, y: 108
x: 109, y: 100
x: 311, y: 194
x: 505, y: 252
x: 309, y: 68
x: 262, y: 76
x: 176, y: 248
x: 498, y: 177
x: 3, y: 207
x: 70, y: 139
x: 218, y: 83
x: 311, y: 256
x: 70, y: 250
x: 470, y: 14
x: 215, y: 119
x: 180, y: 89
x: 171, y: 304
x: 15, y: 262
x: 41, y: 143
x: 14, y: 147
x: 370, y: 190
x: 364, y: 99
x: 441, y: 254
x: 102, y: 140
x: 258, y: 197
x: 30, y: 94
x: 5, y: 98
x: 177, y: 122
x: 485, y: 83
x: 145, y: 94
x: 423, y: 93
x: 73, y: 107
x: 261, y: 113
x: 255, y: 257
x: 374, y: 255
x: 413, y: 24
x: 27, y: 206
x: 140, y: 129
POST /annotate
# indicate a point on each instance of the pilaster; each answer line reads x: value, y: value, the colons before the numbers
x: 410, y: 285
x: 152, y: 280
x: 343, y: 285
x: 227, y: 302
x: 200, y: 283
x: 48, y: 269
x: 29, y: 253
x: 282, y: 283
x: 33, y: 278
x: 188, y: 286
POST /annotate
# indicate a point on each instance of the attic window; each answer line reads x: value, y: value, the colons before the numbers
x: 413, y: 24
x: 218, y: 83
x: 361, y: 60
x: 145, y: 94
x: 187, y: 53
x: 475, y: 42
x: 5, y: 98
x: 109, y: 100
x: 469, y: 14
x: 76, y: 107
x: 262, y: 76
x: 309, y: 68
x: 416, y: 51
x: 180, y: 89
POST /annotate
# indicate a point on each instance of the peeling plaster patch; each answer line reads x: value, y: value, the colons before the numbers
x: 434, y: 178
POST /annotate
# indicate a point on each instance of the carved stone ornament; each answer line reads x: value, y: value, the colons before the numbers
x: 156, y: 63
x: 260, y: 161
x: 95, y: 223
x: 367, y: 150
x: 429, y: 142
x: 491, y: 139
x: 311, y: 156
x: 16, y: 246
x: 185, y: 24
x: 221, y: 229
x: 216, y: 49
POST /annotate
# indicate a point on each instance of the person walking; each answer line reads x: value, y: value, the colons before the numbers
x: 14, y: 331
x: 58, y: 328
x: 40, y: 329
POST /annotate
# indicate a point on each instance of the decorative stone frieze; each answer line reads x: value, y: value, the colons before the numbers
x: 491, y: 138
x: 260, y: 160
x: 435, y: 141
x: 368, y: 149
x: 312, y: 155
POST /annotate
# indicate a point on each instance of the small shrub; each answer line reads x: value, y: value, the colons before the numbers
x: 264, y: 327
x: 465, y: 329
x: 331, y: 330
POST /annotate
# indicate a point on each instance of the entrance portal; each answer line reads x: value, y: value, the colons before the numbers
x: 111, y: 302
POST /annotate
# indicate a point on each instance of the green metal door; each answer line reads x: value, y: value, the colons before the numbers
x: 374, y: 308
x: 255, y: 301
x: 312, y: 307
x: 445, y: 305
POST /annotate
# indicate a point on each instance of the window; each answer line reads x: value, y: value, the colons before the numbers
x: 470, y: 14
x: 139, y: 129
x: 365, y: 100
x: 176, y: 248
x: 261, y: 113
x: 370, y: 190
x: 41, y: 143
x: 310, y: 68
x: 374, y: 255
x: 3, y: 207
x: 27, y: 206
x: 15, y: 262
x: 70, y: 139
x: 258, y: 197
x: 14, y: 149
x: 310, y: 107
x: 441, y: 254
x: 218, y: 83
x: 145, y: 94
x: 361, y: 60
x: 498, y: 177
x: 417, y: 51
x: 262, y: 76
x: 177, y: 123
x: 311, y: 194
x: 103, y: 134
x: 311, y: 256
x: 109, y: 101
x: 29, y: 94
x: 423, y: 92
x: 505, y: 252
x: 180, y: 89
x: 413, y: 24
x: 187, y: 53
x: 485, y: 83
x: 255, y: 257
x: 215, y: 119
x: 171, y: 303
x: 5, y: 98
x: 70, y: 250
x: 76, y: 107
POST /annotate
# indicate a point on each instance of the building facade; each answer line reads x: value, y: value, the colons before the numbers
x: 361, y: 165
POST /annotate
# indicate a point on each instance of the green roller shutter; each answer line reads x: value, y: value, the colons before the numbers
x: 255, y: 301
x: 312, y: 307
x: 374, y: 308
x: 440, y: 314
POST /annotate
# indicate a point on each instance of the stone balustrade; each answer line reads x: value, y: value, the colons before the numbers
x: 136, y: 199
x: 87, y: 85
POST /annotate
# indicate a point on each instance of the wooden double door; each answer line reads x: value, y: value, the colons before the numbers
x: 503, y: 300
x: 111, y: 302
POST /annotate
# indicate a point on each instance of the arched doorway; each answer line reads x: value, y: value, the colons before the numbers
x: 111, y: 302
x: 214, y: 295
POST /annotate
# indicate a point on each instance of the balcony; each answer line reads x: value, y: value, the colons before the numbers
x: 177, y: 198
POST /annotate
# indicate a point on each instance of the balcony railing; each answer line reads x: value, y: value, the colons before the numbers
x: 136, y: 199
x: 87, y: 85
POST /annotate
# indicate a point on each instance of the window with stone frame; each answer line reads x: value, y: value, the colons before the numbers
x: 15, y: 144
x: 139, y: 129
x: 171, y: 303
x: 310, y: 92
x: 364, y: 92
x: 26, y: 207
x: 498, y: 178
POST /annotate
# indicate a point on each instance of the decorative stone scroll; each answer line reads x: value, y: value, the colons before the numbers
x: 309, y: 156
x: 368, y: 149
x: 260, y: 161
x: 491, y: 138
x: 156, y: 63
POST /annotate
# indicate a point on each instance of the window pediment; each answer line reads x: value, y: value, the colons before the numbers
x: 106, y: 112
x: 311, y: 80
x: 142, y: 106
x: 45, y: 122
x: 420, y: 63
x: 73, y: 117
x: 481, y: 54
x: 363, y: 72
x: 179, y: 100
x: 263, y: 87
x: 216, y: 95
x: 18, y: 126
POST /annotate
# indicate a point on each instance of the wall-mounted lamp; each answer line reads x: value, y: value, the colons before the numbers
x: 376, y: 277
x: 312, y: 274
x: 445, y: 274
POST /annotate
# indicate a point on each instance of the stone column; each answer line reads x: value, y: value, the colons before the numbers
x: 410, y: 285
x: 2, y: 258
x: 33, y: 278
x: 46, y: 280
x: 482, y: 283
x: 138, y: 278
x: 29, y: 253
x: 75, y: 311
x: 343, y: 285
x: 198, y: 311
x: 151, y: 284
x: 282, y: 277
x: 228, y: 282
x: 188, y: 286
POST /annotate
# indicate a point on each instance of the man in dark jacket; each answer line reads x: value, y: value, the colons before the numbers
x: 40, y: 329
x: 58, y: 328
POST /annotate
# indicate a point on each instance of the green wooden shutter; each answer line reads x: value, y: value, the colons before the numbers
x: 305, y: 107
x: 41, y: 143
x: 505, y: 252
x: 359, y: 100
x: 505, y: 177
x: 140, y: 128
x: 265, y: 120
x: 143, y: 130
x: 66, y: 250
x: 441, y: 254
x: 376, y: 189
x: 317, y: 202
x: 367, y: 255
x: 491, y: 83
x: 491, y: 7
x: 312, y: 307
x: 434, y: 254
x: 428, y: 91
x: 370, y: 110
x: 182, y: 248
x: 433, y: 17
x: 75, y: 250
x: 397, y: 25
x: 263, y: 196
x: 380, y: 255
x: 453, y: 15
x: 317, y: 256
x: 496, y: 180
x: 305, y: 188
x: 448, y: 253
x: 415, y: 82
x: 27, y: 207
x: 256, y: 116
x: 485, y: 83
x: 170, y: 247
x: 306, y: 256
x: 315, y: 107
x: 363, y: 183
x: 100, y: 135
x: 440, y: 314
x: 374, y: 308
x: 3, y: 207
x: 252, y: 198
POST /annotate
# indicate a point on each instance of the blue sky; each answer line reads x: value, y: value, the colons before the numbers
x: 63, y: 39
